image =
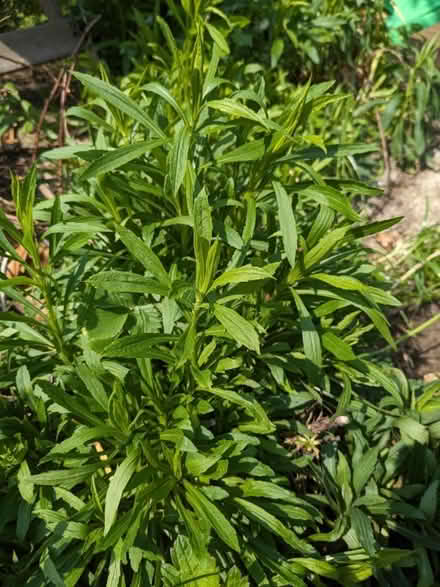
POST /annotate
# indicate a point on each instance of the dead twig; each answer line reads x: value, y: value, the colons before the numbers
x: 46, y: 191
x: 416, y: 267
x: 46, y: 105
x: 7, y: 205
x: 385, y: 154
x: 62, y: 82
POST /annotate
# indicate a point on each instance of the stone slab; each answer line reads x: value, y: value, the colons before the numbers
x: 39, y: 44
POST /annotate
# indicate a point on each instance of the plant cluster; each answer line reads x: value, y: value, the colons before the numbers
x: 290, y: 41
x: 14, y: 13
x: 15, y: 111
x: 187, y: 393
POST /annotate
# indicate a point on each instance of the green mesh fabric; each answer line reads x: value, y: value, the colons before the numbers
x: 410, y: 13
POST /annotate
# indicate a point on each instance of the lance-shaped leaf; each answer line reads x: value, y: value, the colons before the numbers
x: 310, y: 336
x: 234, y: 108
x: 178, y: 157
x: 238, y: 327
x: 241, y: 274
x: 142, y: 252
x: 115, y: 159
x: 208, y: 510
x: 287, y: 222
x: 202, y: 236
x: 121, y: 101
x: 126, y: 282
x: 161, y: 91
x: 118, y: 483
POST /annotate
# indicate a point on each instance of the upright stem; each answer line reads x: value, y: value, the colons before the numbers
x: 53, y: 324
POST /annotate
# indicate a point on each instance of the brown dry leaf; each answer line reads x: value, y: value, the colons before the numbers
x: 15, y: 268
x: 9, y: 137
x: 388, y: 239
x: 430, y: 377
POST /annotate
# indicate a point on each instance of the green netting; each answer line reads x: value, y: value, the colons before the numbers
x: 407, y: 13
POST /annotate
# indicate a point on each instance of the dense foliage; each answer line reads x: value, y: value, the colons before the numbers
x: 188, y: 392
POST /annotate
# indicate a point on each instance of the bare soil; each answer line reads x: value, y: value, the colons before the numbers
x: 417, y: 199
x: 419, y: 356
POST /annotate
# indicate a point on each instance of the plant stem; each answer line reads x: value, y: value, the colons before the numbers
x: 409, y: 334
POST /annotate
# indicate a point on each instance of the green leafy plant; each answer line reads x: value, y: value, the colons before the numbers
x: 15, y: 111
x: 14, y: 14
x: 185, y: 379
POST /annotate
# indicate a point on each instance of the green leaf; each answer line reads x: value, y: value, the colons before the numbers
x: 248, y: 152
x: 338, y: 347
x: 124, y: 281
x: 81, y: 437
x: 328, y: 196
x: 202, y: 239
x: 93, y: 385
x: 373, y: 227
x: 118, y: 483
x: 166, y: 31
x: 217, y: 37
x: 177, y: 436
x: 316, y: 253
x: 91, y: 225
x: 429, y: 500
x: 262, y: 425
x: 178, y: 158
x: 276, y: 51
x: 345, y: 397
x: 235, y: 579
x: 218, y: 521
x: 115, y: 159
x: 237, y: 327
x: 66, y: 152
x: 413, y: 429
x: 202, y: 217
x: 242, y: 274
x: 77, y: 406
x: 295, y: 116
x: 318, y: 567
x: 197, y: 464
x: 364, y: 531
x: 103, y: 324
x: 25, y: 485
x: 68, y: 477
x: 142, y: 252
x: 140, y: 345
x: 24, y: 518
x: 50, y: 571
x: 331, y: 151
x: 122, y: 102
x: 364, y: 469
x: 310, y: 336
x: 234, y: 108
x: 114, y: 568
x: 273, y: 525
x: 341, y: 281
x: 88, y: 115
x: 287, y: 222
x: 273, y: 492
x: 161, y: 91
